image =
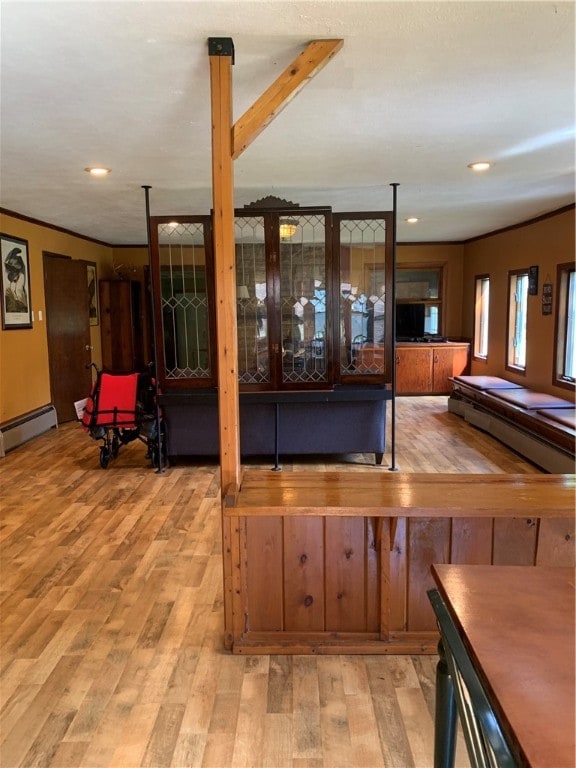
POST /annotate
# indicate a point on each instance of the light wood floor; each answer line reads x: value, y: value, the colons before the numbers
x: 112, y: 620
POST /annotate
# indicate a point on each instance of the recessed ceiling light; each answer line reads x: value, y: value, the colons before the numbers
x: 411, y: 219
x: 481, y: 165
x: 97, y: 171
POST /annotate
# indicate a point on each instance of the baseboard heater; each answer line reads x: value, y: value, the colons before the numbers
x: 541, y: 453
x: 14, y: 433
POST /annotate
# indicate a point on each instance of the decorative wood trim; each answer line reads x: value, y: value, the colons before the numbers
x: 521, y: 224
x: 384, y: 544
x: 268, y: 202
x: 228, y: 596
x: 46, y: 225
x: 315, y: 56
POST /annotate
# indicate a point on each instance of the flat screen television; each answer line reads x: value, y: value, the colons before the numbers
x: 410, y: 321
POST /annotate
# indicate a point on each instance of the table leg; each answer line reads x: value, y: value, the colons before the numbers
x: 446, y: 715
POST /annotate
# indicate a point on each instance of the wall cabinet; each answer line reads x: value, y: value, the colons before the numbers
x: 425, y: 369
x: 122, y: 326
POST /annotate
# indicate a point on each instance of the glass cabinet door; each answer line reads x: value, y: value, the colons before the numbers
x: 364, y: 339
x: 303, y: 298
x: 311, y: 290
x: 183, y: 278
x: 251, y: 301
x: 281, y: 272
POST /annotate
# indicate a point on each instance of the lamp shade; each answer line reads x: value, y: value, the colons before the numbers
x: 288, y: 228
x: 242, y: 292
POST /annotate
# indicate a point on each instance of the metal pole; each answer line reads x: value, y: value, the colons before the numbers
x: 394, y: 185
x: 160, y: 468
x: 277, y: 467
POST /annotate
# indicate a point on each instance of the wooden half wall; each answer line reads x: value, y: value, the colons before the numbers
x: 340, y: 563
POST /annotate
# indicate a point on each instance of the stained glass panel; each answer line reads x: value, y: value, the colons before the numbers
x: 184, y: 301
x: 362, y: 296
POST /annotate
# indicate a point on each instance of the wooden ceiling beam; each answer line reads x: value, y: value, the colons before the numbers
x: 304, y: 67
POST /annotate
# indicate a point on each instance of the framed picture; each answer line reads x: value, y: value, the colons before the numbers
x: 92, y: 276
x: 547, y: 298
x: 15, y: 274
x: 533, y: 281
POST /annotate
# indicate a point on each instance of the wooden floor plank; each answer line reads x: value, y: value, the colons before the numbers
x: 111, y: 618
x: 418, y: 724
x: 334, y: 721
x: 307, y: 741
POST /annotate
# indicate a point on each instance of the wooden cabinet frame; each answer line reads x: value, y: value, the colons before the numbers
x: 377, y: 357
x: 205, y: 223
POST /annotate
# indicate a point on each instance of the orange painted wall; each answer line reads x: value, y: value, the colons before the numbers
x: 24, y: 374
x: 544, y: 244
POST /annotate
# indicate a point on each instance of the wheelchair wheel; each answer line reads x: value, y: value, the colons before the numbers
x: 105, y: 456
x: 115, y: 446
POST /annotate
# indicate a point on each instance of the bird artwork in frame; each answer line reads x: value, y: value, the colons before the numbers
x: 92, y: 277
x: 15, y: 279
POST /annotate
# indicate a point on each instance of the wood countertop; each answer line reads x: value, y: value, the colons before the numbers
x: 518, y: 624
x: 403, y: 495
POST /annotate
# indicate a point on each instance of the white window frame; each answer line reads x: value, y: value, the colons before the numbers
x: 517, y: 319
x: 565, y: 332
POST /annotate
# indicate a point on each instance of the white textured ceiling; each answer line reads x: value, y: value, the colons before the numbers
x: 418, y: 91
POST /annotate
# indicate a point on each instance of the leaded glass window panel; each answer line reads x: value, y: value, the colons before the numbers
x: 251, y: 301
x: 303, y: 298
x: 184, y: 300
x: 362, y: 296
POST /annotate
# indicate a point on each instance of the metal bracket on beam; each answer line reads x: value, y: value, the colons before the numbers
x: 221, y: 46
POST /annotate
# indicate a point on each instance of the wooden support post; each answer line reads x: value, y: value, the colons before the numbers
x: 228, y: 142
x: 221, y: 52
x: 224, y: 136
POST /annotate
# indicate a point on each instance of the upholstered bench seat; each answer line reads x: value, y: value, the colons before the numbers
x: 530, y: 400
x: 486, y: 382
x: 564, y: 416
x: 539, y: 426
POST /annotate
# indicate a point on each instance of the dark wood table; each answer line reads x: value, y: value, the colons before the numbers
x: 517, y: 624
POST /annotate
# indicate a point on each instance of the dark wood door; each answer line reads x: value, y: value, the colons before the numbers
x: 121, y: 319
x: 68, y: 327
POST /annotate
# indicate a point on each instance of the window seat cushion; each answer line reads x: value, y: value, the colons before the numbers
x: 530, y: 400
x: 486, y: 382
x: 564, y: 416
